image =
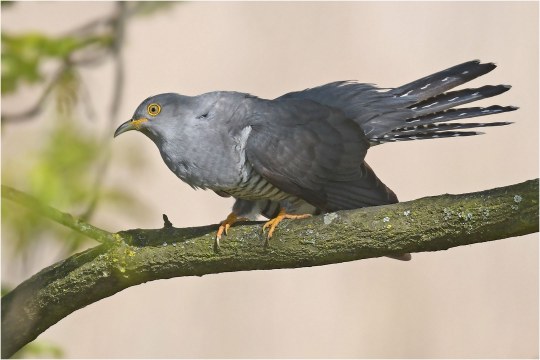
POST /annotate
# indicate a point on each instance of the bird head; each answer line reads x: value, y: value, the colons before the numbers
x: 152, y: 114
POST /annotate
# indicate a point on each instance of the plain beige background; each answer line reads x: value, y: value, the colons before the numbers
x: 475, y: 301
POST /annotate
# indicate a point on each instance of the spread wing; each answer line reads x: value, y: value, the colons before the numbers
x: 314, y: 152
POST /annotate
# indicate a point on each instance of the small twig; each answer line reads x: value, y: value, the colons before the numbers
x: 108, y: 21
x: 86, y: 100
x: 58, y: 216
x: 91, y: 26
x: 166, y: 223
x: 117, y: 21
x: 91, y: 57
x: 36, y: 109
x: 94, y: 57
x: 117, y: 47
x: 38, y: 106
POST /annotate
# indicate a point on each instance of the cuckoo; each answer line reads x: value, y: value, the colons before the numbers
x: 303, y: 153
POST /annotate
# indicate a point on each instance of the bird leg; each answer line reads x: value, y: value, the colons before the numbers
x: 224, y: 227
x: 272, y: 223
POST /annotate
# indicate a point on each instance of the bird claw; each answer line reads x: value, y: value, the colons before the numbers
x: 224, y: 228
x: 217, y: 248
x: 273, y: 223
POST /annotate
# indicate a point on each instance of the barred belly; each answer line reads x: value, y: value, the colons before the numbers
x: 255, y: 187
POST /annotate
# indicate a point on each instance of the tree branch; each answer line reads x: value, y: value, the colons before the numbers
x: 137, y: 256
x: 49, y: 212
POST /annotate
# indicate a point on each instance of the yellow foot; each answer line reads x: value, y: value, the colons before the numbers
x: 224, y: 227
x: 272, y: 223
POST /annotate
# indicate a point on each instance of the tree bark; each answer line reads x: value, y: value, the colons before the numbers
x: 136, y: 256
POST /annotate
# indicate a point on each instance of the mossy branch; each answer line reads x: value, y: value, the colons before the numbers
x: 137, y: 256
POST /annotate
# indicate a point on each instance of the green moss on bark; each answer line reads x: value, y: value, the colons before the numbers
x: 135, y: 256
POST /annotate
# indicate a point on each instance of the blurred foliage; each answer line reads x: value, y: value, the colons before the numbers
x: 6, y: 4
x: 62, y: 174
x: 68, y: 159
x: 39, y: 349
x: 23, y: 54
x: 65, y: 167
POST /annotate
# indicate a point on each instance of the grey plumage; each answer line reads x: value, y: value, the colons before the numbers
x: 305, y: 150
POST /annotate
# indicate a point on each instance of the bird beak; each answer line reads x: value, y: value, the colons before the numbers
x: 130, y: 125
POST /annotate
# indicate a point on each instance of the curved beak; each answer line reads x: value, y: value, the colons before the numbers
x: 129, y: 125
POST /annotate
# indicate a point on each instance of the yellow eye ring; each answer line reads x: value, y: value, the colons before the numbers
x: 153, y: 109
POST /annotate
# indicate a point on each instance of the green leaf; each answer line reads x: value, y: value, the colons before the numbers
x: 22, y: 55
x: 40, y: 348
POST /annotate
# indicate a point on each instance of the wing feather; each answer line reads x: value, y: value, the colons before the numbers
x: 314, y: 152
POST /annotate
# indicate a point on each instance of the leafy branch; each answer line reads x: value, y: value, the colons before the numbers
x: 87, y: 45
x: 137, y: 256
x: 71, y: 165
x: 56, y: 215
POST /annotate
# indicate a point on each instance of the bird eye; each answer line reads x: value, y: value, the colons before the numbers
x: 153, y: 109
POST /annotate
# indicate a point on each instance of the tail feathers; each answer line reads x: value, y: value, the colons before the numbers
x: 457, y: 114
x: 411, y: 130
x: 430, y: 102
x: 435, y: 126
x: 381, y: 112
x: 393, y: 137
x: 455, y: 98
x: 442, y: 81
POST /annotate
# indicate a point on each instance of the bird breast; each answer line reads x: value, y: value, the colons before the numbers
x: 207, y: 159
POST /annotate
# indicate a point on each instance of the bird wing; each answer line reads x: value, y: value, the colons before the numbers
x: 314, y: 152
x: 417, y: 110
x: 361, y: 102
